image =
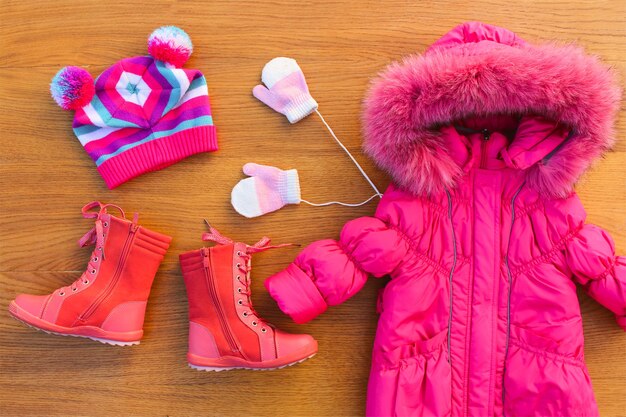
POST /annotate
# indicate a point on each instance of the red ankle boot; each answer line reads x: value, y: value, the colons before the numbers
x: 107, y: 303
x: 224, y: 330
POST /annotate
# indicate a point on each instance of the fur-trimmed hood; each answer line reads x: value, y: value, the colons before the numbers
x: 478, y: 70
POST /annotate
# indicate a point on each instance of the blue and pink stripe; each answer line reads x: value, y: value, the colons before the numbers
x: 110, y: 125
x: 139, y: 101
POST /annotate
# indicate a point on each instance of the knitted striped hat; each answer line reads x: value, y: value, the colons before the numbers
x: 143, y: 113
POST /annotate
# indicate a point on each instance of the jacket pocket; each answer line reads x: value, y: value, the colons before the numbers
x: 411, y: 380
x: 541, y: 381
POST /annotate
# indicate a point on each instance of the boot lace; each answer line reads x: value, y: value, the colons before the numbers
x: 246, y: 292
x: 244, y: 267
x: 95, y: 236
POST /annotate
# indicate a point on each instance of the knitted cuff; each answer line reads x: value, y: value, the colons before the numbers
x: 300, y: 107
x: 289, y: 187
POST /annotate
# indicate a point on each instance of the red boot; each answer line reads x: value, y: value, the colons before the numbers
x: 107, y: 303
x: 224, y: 330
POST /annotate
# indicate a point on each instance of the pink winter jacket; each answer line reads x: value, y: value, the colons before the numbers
x: 481, y: 232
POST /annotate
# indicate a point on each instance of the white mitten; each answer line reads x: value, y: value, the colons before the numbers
x: 267, y: 189
x: 285, y: 89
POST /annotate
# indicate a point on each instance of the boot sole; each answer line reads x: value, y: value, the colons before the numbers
x: 87, y: 332
x: 218, y: 369
x: 232, y: 363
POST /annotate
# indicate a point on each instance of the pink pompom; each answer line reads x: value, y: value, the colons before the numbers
x: 72, y: 88
x: 171, y: 45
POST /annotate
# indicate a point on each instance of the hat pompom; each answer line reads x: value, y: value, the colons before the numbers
x: 170, y: 44
x: 72, y: 88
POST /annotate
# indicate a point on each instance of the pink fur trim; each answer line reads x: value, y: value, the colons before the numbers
x: 479, y: 70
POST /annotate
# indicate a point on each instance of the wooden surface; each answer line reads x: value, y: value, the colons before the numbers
x: 45, y: 178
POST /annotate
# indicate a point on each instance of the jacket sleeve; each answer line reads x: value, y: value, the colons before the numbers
x: 328, y: 272
x: 590, y: 255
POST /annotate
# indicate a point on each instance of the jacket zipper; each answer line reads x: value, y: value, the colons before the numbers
x: 483, y: 148
x: 451, y: 274
x: 216, y: 301
x: 116, y: 275
x: 508, y: 299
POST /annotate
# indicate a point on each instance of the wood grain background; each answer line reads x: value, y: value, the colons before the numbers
x: 45, y: 178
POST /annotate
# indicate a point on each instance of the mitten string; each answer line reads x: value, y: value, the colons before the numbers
x: 378, y: 193
x: 329, y: 203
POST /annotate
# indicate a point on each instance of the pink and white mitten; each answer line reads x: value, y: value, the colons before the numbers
x: 267, y: 189
x: 285, y: 89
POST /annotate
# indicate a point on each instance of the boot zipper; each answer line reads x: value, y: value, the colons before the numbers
x: 206, y: 254
x: 508, y: 300
x: 483, y: 148
x: 112, y: 283
x: 451, y: 274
